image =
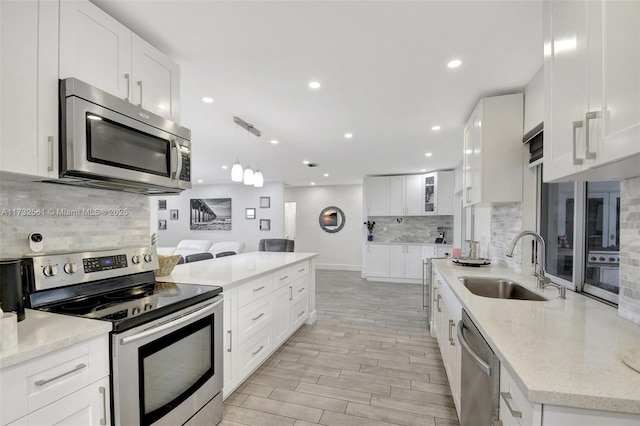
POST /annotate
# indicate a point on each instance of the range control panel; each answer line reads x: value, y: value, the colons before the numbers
x: 603, y: 257
x: 53, y: 270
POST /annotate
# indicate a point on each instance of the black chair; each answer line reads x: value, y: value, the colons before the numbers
x: 181, y: 261
x: 197, y: 257
x: 276, y: 244
x: 225, y: 253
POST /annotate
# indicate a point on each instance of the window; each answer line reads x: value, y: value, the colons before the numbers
x: 580, y: 222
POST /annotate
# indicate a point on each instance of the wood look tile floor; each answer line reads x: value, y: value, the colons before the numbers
x: 368, y: 360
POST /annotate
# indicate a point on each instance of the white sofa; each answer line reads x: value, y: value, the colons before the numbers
x: 187, y: 247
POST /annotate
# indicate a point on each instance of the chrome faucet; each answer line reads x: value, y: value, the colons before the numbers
x: 540, y: 272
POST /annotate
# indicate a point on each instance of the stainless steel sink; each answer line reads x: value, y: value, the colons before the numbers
x: 499, y: 288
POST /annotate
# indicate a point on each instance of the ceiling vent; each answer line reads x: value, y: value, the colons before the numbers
x: 312, y: 165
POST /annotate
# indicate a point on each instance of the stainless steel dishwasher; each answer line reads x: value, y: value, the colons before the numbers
x: 480, y: 377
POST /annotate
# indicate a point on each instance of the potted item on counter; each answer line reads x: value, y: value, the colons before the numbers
x: 370, y: 226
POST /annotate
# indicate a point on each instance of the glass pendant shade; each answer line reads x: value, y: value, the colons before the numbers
x: 236, y: 172
x: 248, y: 176
x: 258, y: 179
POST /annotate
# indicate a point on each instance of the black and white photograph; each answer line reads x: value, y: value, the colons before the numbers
x: 173, y: 214
x: 265, y: 224
x: 210, y: 214
x: 265, y: 202
x: 162, y: 204
x: 162, y: 225
x: 250, y: 213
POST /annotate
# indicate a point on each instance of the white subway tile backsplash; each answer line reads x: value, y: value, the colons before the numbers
x: 629, y: 297
x: 411, y: 229
x: 506, y: 222
x: 70, y: 218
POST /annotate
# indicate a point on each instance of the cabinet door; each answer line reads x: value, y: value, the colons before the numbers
x: 230, y: 340
x: 281, y: 314
x: 620, y: 80
x: 413, y: 265
x: 467, y: 162
x: 413, y: 189
x: 94, y: 48
x: 397, y: 256
x: 377, y: 196
x: 429, y: 194
x: 377, y: 260
x: 86, y: 407
x: 396, y: 196
x: 156, y: 80
x: 476, y: 169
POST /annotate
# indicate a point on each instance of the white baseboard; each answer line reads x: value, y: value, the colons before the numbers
x: 394, y: 280
x: 338, y: 267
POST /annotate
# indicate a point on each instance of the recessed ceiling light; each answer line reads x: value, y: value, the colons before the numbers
x: 225, y: 167
x: 348, y: 135
x: 200, y: 181
x: 207, y: 100
x: 326, y: 175
x: 313, y: 183
x: 455, y: 63
x: 314, y: 85
x: 274, y: 142
x: 435, y: 128
x: 423, y: 170
x: 305, y: 162
x: 428, y: 154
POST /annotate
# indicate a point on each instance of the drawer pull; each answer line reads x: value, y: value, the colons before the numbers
x: 438, y: 302
x: 258, y: 289
x: 451, y: 324
x: 258, y: 317
x: 300, y: 314
x: 301, y: 290
x: 290, y: 293
x: 259, y: 349
x: 44, y: 382
x: 507, y: 399
x: 230, y: 336
x: 302, y: 270
x: 103, y: 392
x: 284, y: 278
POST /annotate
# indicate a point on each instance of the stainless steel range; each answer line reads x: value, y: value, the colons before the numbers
x: 166, y: 343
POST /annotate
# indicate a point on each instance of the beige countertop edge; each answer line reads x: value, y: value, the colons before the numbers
x: 545, y: 346
x: 41, y: 333
x: 384, y: 243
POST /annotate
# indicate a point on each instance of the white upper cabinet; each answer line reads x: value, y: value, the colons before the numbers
x: 592, y: 89
x: 493, y: 151
x: 98, y: 50
x: 437, y: 193
x: 29, y: 87
x: 377, y: 193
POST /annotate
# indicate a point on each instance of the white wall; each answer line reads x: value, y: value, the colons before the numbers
x: 534, y: 101
x: 243, y: 230
x: 341, y: 250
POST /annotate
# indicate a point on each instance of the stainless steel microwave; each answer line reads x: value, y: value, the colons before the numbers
x: 109, y: 143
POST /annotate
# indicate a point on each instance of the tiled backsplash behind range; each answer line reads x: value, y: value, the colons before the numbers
x: 629, y: 297
x: 411, y: 229
x: 70, y: 218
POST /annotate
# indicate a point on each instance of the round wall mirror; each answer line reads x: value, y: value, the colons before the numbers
x: 331, y: 219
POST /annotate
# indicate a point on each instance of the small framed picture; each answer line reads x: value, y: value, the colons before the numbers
x: 265, y: 224
x: 173, y: 214
x: 162, y: 204
x: 162, y: 225
x: 250, y: 213
x: 265, y: 202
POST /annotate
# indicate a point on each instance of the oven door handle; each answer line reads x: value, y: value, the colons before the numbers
x: 171, y: 324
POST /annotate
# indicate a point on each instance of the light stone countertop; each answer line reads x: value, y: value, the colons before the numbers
x: 390, y: 243
x: 230, y: 271
x: 560, y: 352
x: 43, y: 332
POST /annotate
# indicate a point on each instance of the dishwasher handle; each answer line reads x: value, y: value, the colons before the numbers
x: 484, y: 367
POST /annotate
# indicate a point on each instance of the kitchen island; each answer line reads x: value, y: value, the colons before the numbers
x: 560, y: 353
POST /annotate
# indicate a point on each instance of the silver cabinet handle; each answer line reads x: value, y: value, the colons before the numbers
x: 301, y: 290
x: 258, y: 317
x: 300, y: 314
x: 103, y: 392
x: 140, y: 84
x: 468, y: 192
x: 230, y: 337
x: 50, y: 141
x: 302, y: 270
x: 484, y: 367
x: 438, y: 302
x: 591, y: 115
x: 76, y: 368
x: 258, y: 289
x: 259, y: 349
x: 576, y: 160
x: 128, y: 78
x: 290, y: 293
x: 451, y: 341
x: 507, y: 399
x: 284, y: 278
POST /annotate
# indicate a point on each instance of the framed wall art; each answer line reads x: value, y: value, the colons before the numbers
x: 250, y: 213
x: 265, y: 224
x: 210, y: 214
x: 265, y: 202
x: 173, y: 214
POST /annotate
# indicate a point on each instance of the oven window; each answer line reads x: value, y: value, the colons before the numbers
x: 117, y: 145
x: 174, y: 367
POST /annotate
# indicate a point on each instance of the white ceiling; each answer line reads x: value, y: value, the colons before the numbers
x: 382, y: 66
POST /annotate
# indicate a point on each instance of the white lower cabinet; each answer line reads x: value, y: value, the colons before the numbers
x: 69, y: 386
x: 378, y: 261
x: 515, y: 410
x: 395, y: 262
x: 259, y: 316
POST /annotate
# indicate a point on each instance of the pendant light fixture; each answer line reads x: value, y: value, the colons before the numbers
x: 246, y: 175
x: 258, y: 179
x: 236, y: 171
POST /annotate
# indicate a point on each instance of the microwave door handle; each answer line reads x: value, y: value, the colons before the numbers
x: 176, y: 172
